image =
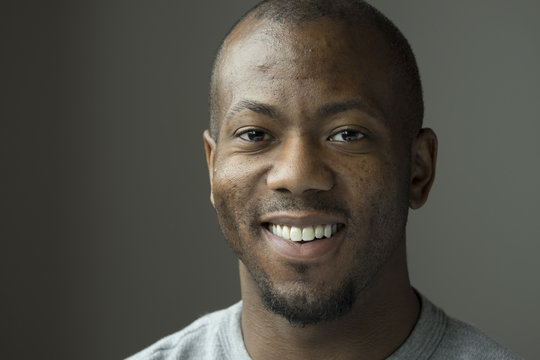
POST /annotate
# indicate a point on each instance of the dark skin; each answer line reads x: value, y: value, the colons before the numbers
x: 309, y: 134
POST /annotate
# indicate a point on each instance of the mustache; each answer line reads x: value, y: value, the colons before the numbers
x: 302, y: 204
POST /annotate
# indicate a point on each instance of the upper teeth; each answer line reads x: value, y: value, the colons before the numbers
x: 303, y: 234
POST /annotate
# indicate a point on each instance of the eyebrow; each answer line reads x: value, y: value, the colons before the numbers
x: 324, y: 111
x: 334, y: 108
x: 254, y: 106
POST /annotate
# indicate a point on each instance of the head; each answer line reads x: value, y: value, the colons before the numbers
x: 316, y: 124
x: 355, y: 14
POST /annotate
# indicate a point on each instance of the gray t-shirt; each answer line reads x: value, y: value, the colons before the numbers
x: 435, y: 336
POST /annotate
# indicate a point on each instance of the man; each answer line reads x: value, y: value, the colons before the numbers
x: 316, y: 152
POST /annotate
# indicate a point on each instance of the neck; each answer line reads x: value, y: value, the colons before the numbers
x: 379, y: 322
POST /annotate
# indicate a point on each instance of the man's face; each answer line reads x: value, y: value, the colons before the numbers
x: 308, y: 146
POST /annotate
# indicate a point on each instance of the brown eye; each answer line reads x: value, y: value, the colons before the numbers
x: 254, y: 135
x: 347, y: 135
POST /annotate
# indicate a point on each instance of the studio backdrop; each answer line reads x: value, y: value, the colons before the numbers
x: 110, y: 241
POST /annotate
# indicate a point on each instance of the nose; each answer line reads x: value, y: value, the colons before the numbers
x: 298, y: 167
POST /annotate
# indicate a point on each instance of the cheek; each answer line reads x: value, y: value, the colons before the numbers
x: 227, y: 202
x: 361, y: 176
x: 236, y: 168
x: 241, y: 175
x: 373, y: 187
x: 234, y: 186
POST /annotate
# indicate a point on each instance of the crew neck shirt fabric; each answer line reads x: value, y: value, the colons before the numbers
x: 435, y: 336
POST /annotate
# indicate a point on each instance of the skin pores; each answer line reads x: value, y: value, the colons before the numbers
x: 308, y: 137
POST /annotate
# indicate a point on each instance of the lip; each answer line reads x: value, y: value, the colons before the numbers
x: 309, y: 251
x: 301, y: 219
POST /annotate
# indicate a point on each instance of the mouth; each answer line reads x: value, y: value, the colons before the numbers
x: 303, y: 234
x: 304, y: 240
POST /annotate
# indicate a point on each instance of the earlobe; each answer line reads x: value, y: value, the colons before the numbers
x: 210, y: 150
x: 424, y: 159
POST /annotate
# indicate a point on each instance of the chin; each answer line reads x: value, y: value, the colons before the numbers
x: 303, y: 304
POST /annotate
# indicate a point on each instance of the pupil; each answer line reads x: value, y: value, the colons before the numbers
x: 349, y: 135
x: 254, y: 135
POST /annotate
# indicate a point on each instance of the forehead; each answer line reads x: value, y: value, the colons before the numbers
x: 304, y: 64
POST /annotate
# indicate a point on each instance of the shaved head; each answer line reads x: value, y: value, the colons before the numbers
x: 408, y: 108
x: 316, y: 120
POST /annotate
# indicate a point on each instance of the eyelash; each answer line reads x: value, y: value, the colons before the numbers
x: 342, y: 131
x: 264, y: 134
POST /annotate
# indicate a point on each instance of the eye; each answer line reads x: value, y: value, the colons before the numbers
x: 253, y: 135
x: 347, y: 135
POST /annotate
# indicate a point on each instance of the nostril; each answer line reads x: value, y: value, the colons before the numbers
x: 299, y: 171
x: 282, y: 190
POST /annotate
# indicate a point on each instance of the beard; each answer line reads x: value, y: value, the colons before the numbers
x: 304, y: 301
x: 302, y: 307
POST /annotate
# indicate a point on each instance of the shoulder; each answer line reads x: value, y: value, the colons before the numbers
x: 437, y: 336
x: 209, y: 337
x: 465, y: 341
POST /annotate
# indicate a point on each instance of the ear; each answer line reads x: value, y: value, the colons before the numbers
x: 210, y: 150
x: 424, y: 159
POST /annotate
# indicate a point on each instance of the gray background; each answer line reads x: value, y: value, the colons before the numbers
x: 108, y: 238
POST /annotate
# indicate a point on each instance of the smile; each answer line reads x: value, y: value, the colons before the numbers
x: 308, y: 233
